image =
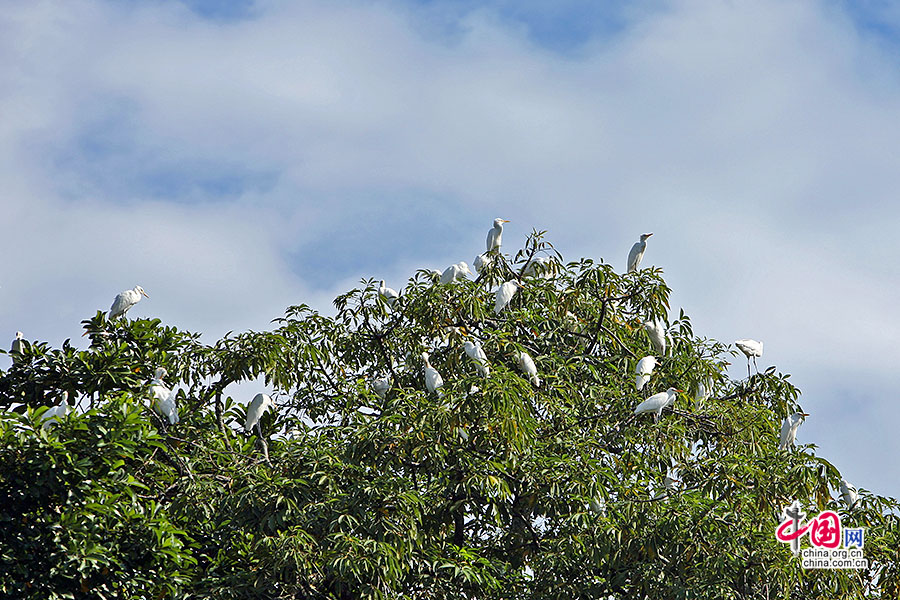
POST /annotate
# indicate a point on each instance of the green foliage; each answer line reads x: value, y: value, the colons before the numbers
x: 495, y: 488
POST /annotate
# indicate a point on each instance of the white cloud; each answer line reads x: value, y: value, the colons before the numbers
x: 755, y: 139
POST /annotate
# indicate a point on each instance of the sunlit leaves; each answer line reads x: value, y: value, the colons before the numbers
x: 498, y: 488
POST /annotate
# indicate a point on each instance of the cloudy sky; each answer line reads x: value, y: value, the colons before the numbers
x: 234, y: 158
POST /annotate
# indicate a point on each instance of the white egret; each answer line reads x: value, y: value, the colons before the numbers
x: 538, y: 266
x: 381, y: 386
x: 57, y: 412
x: 657, y: 402
x: 387, y: 294
x: 668, y: 486
x: 163, y: 397
x: 789, y: 429
x: 433, y: 379
x: 16, y: 347
x: 504, y: 294
x: 849, y: 494
x: 644, y: 369
x: 751, y: 349
x: 476, y: 353
x: 124, y: 301
x: 495, y: 236
x: 482, y: 261
x: 260, y: 404
x: 656, y: 331
x: 636, y: 255
x: 454, y: 272
x: 704, y: 389
x: 527, y: 366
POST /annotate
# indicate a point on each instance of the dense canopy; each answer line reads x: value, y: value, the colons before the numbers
x: 359, y: 483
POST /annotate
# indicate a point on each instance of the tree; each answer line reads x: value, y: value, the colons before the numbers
x: 493, y: 488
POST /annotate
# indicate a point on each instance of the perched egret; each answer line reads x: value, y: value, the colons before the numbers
x: 644, y: 369
x: 495, y: 236
x: 656, y: 331
x: 454, y: 272
x: 381, y: 386
x: 433, y: 379
x: 704, y: 389
x: 527, y: 366
x: 636, y: 255
x: 538, y: 267
x: 482, y: 261
x: 387, y: 294
x: 751, y: 349
x: 163, y: 397
x: 57, y: 412
x: 668, y: 487
x: 849, y: 494
x: 504, y: 294
x: 260, y: 404
x: 124, y: 301
x: 657, y: 402
x: 16, y: 348
x: 789, y: 429
x: 476, y: 353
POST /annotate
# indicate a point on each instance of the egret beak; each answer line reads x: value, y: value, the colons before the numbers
x: 648, y: 234
x: 805, y: 414
x: 505, y: 221
x: 144, y: 293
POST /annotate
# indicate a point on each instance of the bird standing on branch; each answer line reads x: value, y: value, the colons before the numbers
x: 381, y: 386
x: 16, y: 349
x: 751, y: 349
x: 454, y: 272
x: 126, y: 300
x: 527, y: 366
x: 57, y: 412
x: 260, y: 404
x: 387, y: 294
x: 476, y: 353
x: 495, y: 236
x: 656, y: 331
x: 433, y: 379
x: 636, y: 255
x: 504, y: 294
x: 657, y: 402
x: 789, y: 429
x: 163, y: 397
x: 482, y: 261
x: 644, y: 369
x: 849, y: 494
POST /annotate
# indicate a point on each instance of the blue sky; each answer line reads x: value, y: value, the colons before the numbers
x: 234, y: 158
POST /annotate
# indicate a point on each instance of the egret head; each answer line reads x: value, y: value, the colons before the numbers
x: 141, y: 291
x: 464, y: 267
x: 644, y: 236
x: 19, y: 335
x: 425, y: 357
x: 498, y: 223
x: 160, y: 373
